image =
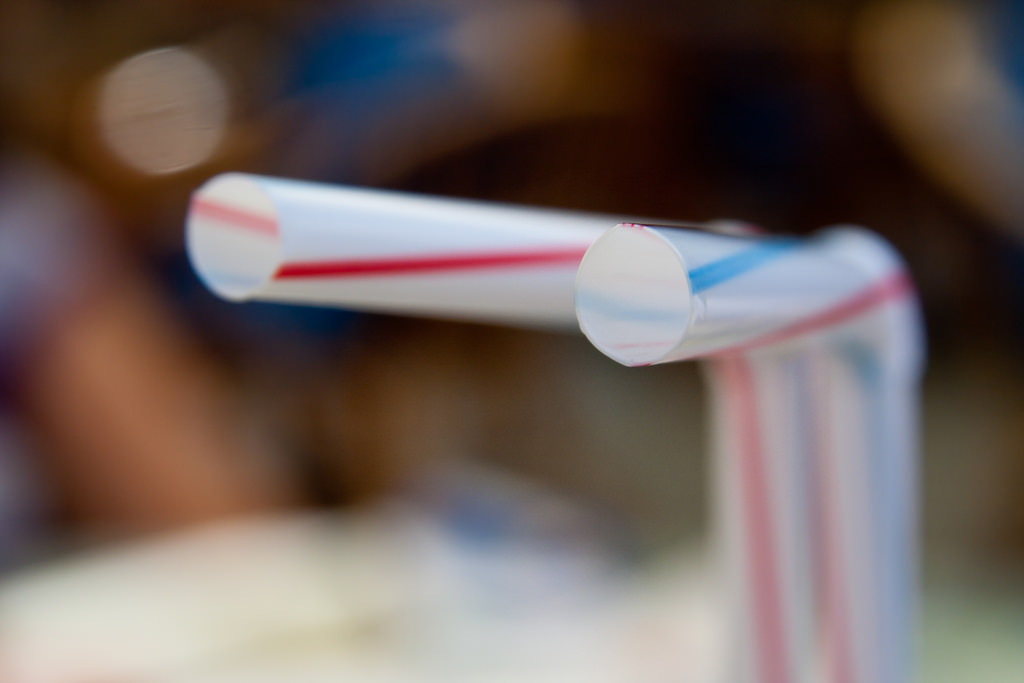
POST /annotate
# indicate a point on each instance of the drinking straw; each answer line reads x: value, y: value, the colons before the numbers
x: 252, y: 237
x: 814, y: 352
x: 651, y: 295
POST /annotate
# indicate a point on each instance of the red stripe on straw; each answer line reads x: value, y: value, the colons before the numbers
x: 236, y: 218
x: 429, y: 264
x: 770, y: 646
x: 893, y: 287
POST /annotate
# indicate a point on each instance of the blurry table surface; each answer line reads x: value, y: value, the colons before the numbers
x: 391, y: 595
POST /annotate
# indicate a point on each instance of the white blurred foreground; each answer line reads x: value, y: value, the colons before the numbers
x: 390, y: 595
x: 404, y: 592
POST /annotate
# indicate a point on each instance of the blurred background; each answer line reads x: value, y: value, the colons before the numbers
x: 193, y: 490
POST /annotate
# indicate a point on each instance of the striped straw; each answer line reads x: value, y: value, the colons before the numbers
x: 814, y: 351
x: 251, y: 237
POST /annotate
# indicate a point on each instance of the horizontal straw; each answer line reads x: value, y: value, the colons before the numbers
x: 251, y: 237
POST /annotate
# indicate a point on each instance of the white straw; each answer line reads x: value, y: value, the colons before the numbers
x: 251, y: 237
x: 651, y: 295
x: 816, y: 351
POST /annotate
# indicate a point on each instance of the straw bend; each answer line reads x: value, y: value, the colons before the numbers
x: 649, y: 294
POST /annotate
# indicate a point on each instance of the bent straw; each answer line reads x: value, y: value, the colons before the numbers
x: 815, y: 352
x: 814, y: 348
x: 649, y: 295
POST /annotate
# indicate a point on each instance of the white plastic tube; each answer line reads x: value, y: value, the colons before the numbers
x: 815, y: 352
x: 655, y: 294
x: 252, y: 237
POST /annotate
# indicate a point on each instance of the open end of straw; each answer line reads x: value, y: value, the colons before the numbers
x: 633, y: 295
x: 232, y: 236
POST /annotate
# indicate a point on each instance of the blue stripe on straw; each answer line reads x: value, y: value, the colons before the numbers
x: 701, y: 278
x: 717, y: 272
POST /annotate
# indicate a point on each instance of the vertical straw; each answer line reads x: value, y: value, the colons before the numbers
x: 814, y: 352
x: 762, y: 525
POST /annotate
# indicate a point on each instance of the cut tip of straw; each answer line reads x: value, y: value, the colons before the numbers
x: 232, y: 235
x: 633, y: 295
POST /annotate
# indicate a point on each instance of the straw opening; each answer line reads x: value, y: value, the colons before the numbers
x: 633, y: 295
x: 232, y: 236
